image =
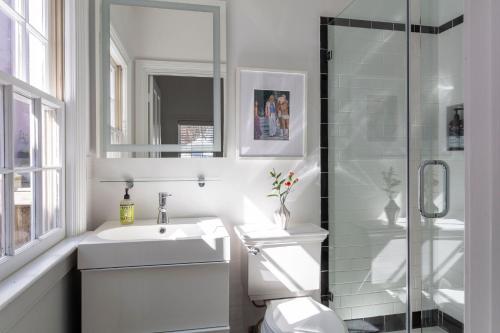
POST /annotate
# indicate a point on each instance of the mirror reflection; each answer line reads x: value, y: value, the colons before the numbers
x: 161, y: 87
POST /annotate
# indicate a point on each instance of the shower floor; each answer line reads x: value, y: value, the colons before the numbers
x: 419, y: 330
x: 425, y: 330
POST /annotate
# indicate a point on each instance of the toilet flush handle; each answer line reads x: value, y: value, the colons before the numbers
x: 253, y: 250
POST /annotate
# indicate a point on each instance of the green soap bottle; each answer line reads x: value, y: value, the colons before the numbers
x: 126, y: 209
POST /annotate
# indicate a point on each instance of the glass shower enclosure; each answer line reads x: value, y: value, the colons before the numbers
x: 393, y: 164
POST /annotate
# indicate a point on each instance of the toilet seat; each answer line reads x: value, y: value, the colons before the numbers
x: 301, y: 314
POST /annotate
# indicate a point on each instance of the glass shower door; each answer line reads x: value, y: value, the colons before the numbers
x: 367, y: 157
x: 391, y: 235
x: 438, y: 150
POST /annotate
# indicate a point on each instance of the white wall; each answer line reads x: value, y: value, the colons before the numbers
x: 152, y: 33
x: 261, y: 33
x: 482, y: 83
x: 58, y: 311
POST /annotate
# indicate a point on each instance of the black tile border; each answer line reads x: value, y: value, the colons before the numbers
x: 450, y: 324
x: 382, y: 25
x: 326, y: 295
x: 451, y: 24
x: 397, y: 322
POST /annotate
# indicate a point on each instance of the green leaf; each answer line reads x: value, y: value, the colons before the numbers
x: 273, y: 195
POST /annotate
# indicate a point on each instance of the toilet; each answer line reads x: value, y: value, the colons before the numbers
x: 281, y: 270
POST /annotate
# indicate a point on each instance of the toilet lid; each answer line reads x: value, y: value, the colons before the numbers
x: 302, y: 314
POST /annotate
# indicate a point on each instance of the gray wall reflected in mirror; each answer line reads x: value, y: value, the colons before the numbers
x: 185, y: 112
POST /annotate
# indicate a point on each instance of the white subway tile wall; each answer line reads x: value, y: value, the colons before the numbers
x: 367, y: 136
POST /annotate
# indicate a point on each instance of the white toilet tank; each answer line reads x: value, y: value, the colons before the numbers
x: 280, y: 263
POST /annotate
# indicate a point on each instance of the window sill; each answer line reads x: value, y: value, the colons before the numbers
x: 35, y: 279
x: 28, y: 253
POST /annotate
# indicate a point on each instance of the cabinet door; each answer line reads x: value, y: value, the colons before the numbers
x: 155, y: 299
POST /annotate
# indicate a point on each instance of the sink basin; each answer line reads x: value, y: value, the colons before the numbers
x: 144, y: 243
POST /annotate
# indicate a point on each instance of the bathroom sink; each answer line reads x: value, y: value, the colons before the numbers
x: 145, y: 243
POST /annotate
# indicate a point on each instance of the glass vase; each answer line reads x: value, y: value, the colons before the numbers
x: 282, y: 217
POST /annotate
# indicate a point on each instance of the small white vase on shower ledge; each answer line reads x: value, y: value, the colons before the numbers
x: 392, y: 211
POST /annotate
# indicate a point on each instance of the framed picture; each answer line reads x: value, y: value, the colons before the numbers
x: 272, y: 113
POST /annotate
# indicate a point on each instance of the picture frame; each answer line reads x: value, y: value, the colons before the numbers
x: 272, y: 113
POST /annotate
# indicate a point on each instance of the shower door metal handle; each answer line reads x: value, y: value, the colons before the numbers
x: 446, y: 189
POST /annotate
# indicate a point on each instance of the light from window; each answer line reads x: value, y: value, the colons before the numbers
x: 194, y: 136
x: 7, y: 41
x: 23, y: 119
x: 32, y: 135
x: 51, y: 136
x: 38, y: 15
x: 36, y: 172
x: 2, y: 218
x: 116, y: 102
x: 52, y: 169
x: 51, y: 210
x: 25, y: 41
x: 23, y: 202
x: 38, y: 62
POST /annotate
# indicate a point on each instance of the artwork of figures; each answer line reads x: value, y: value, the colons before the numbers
x: 271, y: 115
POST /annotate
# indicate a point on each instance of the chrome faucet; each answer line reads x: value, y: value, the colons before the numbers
x: 162, y: 209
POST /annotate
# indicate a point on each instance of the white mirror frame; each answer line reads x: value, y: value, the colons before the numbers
x: 216, y: 8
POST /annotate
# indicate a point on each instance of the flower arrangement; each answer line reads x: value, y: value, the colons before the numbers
x: 281, y: 187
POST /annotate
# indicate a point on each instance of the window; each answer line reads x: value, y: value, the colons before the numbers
x: 32, y: 168
x: 196, y: 135
x: 28, y: 41
x: 32, y: 123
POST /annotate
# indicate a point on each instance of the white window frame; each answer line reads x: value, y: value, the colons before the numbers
x: 22, y: 68
x: 16, y: 258
x: 121, y: 58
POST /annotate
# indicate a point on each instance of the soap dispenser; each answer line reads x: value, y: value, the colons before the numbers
x: 126, y: 209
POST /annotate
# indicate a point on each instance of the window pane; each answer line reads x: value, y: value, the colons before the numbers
x: 193, y: 136
x: 37, y: 63
x: 23, y: 129
x: 7, y: 45
x: 37, y: 15
x: 51, y: 200
x: 23, y: 202
x: 112, y: 96
x: 51, y: 137
x: 2, y: 223
x: 17, y: 5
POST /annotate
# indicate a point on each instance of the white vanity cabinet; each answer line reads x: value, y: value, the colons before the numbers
x: 177, y: 293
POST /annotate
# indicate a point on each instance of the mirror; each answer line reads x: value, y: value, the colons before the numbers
x: 162, y: 78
